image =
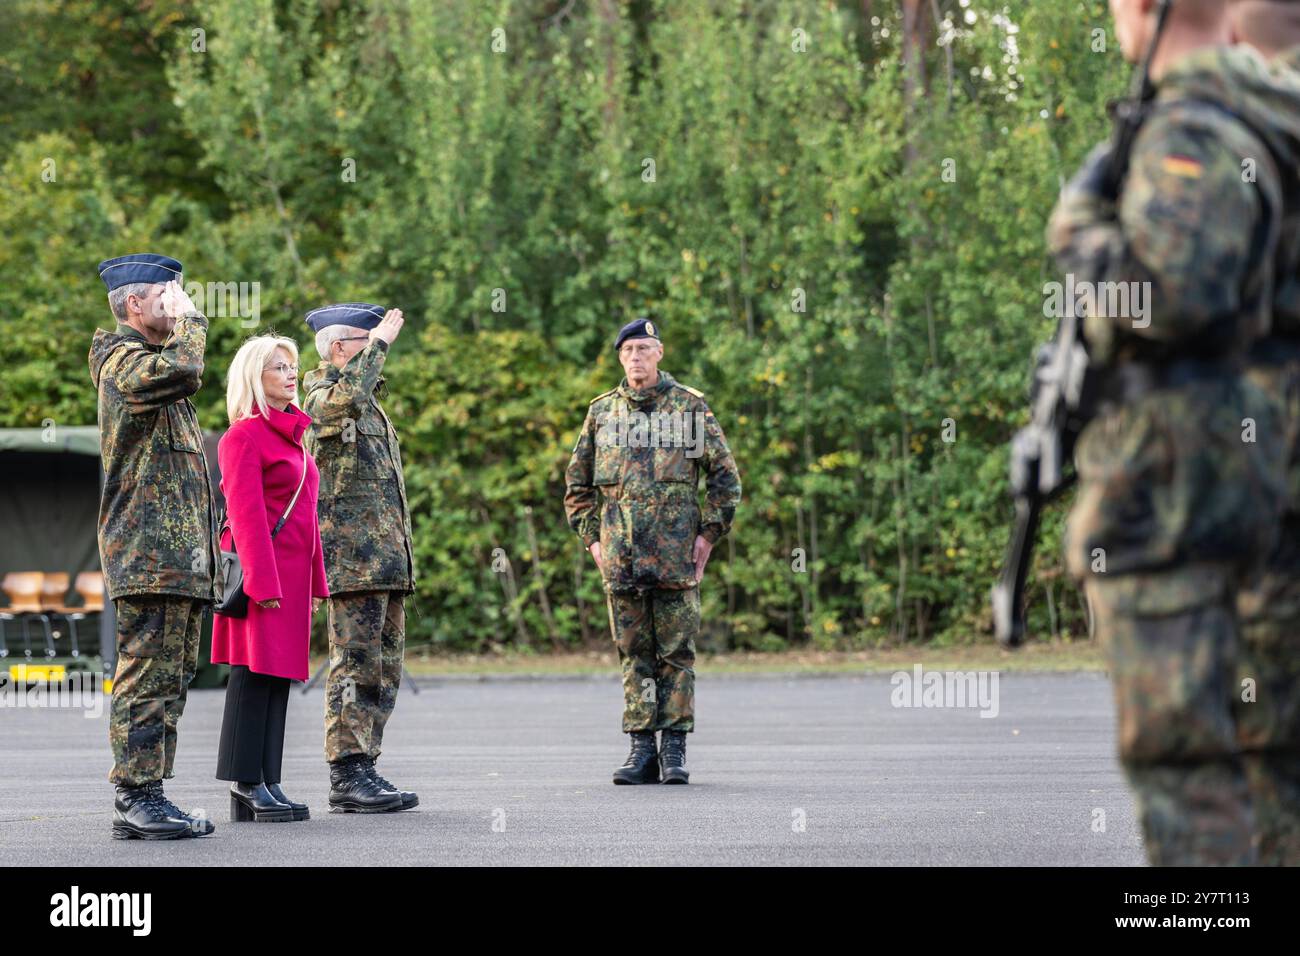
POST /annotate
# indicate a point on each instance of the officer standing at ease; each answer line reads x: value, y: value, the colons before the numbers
x: 631, y: 494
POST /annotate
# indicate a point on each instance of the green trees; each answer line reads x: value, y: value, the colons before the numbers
x: 835, y: 210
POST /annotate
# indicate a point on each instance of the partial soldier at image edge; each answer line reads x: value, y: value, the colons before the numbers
x: 1176, y: 504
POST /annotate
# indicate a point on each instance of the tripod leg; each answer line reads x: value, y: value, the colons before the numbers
x: 316, y: 677
x: 415, y: 688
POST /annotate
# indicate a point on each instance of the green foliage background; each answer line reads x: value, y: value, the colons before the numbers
x: 517, y: 160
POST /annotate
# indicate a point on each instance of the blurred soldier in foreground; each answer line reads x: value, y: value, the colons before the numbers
x: 1268, y: 722
x: 157, y: 536
x: 365, y: 530
x: 631, y: 495
x: 1179, y: 471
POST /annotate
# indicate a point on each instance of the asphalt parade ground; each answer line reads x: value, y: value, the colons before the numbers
x: 784, y: 770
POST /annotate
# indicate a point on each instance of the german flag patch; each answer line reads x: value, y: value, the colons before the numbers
x: 1184, y: 166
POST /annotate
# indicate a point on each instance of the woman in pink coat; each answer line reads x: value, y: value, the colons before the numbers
x: 263, y: 466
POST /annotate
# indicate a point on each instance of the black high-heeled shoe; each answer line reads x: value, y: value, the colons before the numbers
x: 300, y: 810
x: 252, y: 801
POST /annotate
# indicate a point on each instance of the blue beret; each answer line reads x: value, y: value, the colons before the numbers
x: 638, y: 329
x: 358, y: 315
x: 140, y: 267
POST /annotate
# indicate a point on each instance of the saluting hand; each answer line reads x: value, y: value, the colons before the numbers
x: 174, y: 301
x: 388, y: 326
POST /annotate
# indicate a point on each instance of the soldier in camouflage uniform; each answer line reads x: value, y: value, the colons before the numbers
x: 365, y: 529
x: 1179, y: 472
x: 157, y: 536
x: 631, y: 495
x: 1268, y: 716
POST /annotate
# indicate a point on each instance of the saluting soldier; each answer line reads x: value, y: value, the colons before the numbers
x: 631, y: 494
x: 157, y: 533
x: 1180, y: 472
x: 365, y: 529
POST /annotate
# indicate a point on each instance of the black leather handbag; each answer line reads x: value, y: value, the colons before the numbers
x: 233, y: 601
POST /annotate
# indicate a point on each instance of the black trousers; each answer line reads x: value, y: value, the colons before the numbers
x: 252, y: 728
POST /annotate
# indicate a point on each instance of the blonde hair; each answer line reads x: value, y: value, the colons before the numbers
x: 244, y: 385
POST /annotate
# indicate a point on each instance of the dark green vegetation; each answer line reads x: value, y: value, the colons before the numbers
x: 843, y: 246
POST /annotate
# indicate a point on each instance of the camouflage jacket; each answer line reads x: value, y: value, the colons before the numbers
x: 633, y: 481
x: 1189, y: 224
x: 157, y: 522
x: 1186, y: 471
x: 365, y: 525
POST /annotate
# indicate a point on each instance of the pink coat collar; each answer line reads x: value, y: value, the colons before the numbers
x: 291, y: 423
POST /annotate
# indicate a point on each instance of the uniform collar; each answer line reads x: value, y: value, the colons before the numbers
x: 1199, y: 69
x: 640, y: 396
x: 133, y: 333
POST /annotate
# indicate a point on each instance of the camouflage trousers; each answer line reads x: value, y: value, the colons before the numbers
x: 655, y: 633
x: 1268, y: 707
x: 157, y: 655
x: 1171, y: 644
x: 367, y: 636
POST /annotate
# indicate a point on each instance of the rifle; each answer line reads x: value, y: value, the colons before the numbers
x: 1064, y: 390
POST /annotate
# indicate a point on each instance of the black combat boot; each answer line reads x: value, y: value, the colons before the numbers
x: 138, y: 814
x: 201, y: 826
x: 352, y: 790
x: 641, y: 765
x: 409, y: 798
x: 300, y: 810
x: 672, y: 757
x: 252, y: 802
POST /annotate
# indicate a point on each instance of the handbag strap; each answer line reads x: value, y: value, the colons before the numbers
x: 294, y: 500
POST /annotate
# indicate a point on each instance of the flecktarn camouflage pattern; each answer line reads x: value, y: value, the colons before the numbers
x: 365, y: 529
x: 632, y: 484
x: 1181, y: 474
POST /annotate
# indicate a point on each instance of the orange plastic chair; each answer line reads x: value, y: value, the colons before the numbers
x: 24, y: 591
x: 90, y: 585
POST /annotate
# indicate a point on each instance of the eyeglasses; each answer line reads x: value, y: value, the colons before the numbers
x: 637, y: 349
x: 354, y: 338
x: 281, y: 368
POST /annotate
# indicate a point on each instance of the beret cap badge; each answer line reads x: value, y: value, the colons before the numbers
x: 636, y: 329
